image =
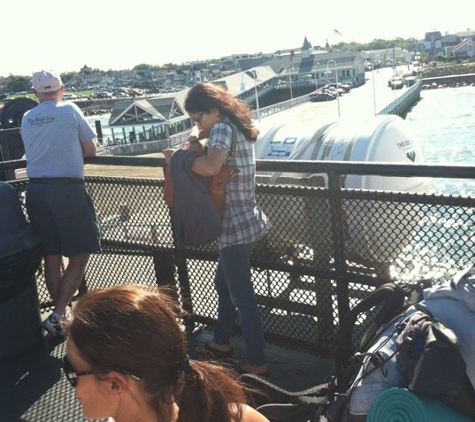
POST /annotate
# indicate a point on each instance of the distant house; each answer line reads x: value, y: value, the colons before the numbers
x: 195, y: 72
x: 321, y: 67
x: 459, y: 44
x: 464, y: 50
x: 433, y: 44
x: 93, y: 79
x: 450, y: 41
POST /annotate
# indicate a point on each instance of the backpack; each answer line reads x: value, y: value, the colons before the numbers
x: 428, y: 355
x: 358, y: 328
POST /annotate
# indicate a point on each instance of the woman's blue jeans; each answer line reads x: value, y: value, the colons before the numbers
x: 235, y: 291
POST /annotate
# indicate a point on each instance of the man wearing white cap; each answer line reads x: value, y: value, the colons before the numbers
x: 56, y: 137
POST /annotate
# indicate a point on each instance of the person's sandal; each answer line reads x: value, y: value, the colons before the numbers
x: 212, y: 353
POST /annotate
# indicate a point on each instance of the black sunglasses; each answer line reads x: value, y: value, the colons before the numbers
x: 198, y: 118
x: 72, y: 375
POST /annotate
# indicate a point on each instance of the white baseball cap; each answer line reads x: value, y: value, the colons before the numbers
x: 46, y: 81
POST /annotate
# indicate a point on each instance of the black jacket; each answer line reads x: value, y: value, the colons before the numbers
x: 195, y: 219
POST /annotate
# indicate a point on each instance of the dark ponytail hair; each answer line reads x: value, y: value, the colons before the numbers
x: 210, y: 394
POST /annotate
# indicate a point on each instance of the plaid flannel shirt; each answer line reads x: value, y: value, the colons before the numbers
x: 243, y: 219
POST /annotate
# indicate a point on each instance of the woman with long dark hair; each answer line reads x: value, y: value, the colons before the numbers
x: 218, y: 117
x: 126, y: 358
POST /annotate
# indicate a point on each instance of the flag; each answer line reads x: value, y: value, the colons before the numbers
x: 336, y: 32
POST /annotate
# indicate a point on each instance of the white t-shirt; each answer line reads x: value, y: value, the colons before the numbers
x: 53, y: 133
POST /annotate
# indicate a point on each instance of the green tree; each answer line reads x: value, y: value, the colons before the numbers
x: 142, y: 66
x: 19, y: 83
x: 86, y: 70
x: 168, y: 66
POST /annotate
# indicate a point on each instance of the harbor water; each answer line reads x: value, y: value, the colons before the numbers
x: 443, y: 123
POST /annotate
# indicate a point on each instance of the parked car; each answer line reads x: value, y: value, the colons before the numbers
x: 342, y: 87
x: 322, y: 96
x: 103, y: 95
x: 120, y: 94
x: 69, y: 97
x: 334, y: 90
x: 397, y: 84
x: 136, y: 92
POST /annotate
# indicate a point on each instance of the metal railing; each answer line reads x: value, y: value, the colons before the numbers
x: 402, y: 103
x: 328, y: 248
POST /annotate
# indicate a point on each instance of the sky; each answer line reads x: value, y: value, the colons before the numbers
x: 115, y: 35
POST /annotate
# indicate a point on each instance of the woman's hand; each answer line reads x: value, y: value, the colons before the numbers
x: 194, y: 133
x: 194, y: 144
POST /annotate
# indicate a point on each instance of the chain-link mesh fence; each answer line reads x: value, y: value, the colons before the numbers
x: 327, y: 250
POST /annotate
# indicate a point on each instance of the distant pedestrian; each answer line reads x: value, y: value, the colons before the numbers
x: 57, y: 136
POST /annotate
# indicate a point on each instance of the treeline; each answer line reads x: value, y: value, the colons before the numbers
x: 410, y: 44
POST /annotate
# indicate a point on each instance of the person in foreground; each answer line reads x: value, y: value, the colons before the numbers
x: 56, y: 137
x: 126, y: 358
x: 217, y: 114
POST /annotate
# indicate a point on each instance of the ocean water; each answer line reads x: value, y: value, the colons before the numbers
x: 443, y: 123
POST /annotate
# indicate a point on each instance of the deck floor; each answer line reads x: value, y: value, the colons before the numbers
x: 33, y: 387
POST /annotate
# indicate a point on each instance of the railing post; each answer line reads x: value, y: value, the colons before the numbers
x: 337, y: 218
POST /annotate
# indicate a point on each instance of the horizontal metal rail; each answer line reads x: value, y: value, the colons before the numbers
x: 299, y: 166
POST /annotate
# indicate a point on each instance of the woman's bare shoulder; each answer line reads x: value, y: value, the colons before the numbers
x: 250, y: 414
